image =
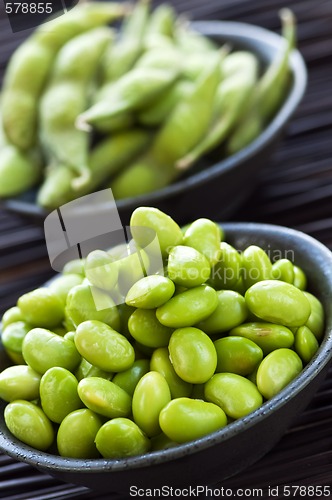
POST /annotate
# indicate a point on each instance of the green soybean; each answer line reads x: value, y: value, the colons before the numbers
x: 103, y: 347
x: 235, y: 394
x: 231, y: 311
x: 104, y: 397
x: 147, y: 330
x: 185, y: 419
x: 256, y: 265
x: 12, y: 339
x: 283, y: 270
x: 192, y: 354
x: 76, y: 434
x: 86, y: 369
x: 187, y: 266
x: 101, y: 270
x: 204, y: 235
x: 85, y: 302
x: 62, y: 285
x: 43, y: 349
x: 28, y: 423
x: 11, y: 315
x: 226, y: 271
x: 300, y: 279
x: 167, y: 230
x: 277, y: 370
x: 150, y: 396
x: 316, y: 320
x: 278, y: 302
x: 306, y: 344
x: 41, y: 307
x: 150, y: 292
x: 19, y: 382
x: 58, y: 393
x: 160, y: 362
x: 189, y: 307
x: 237, y: 355
x: 267, y: 336
x: 129, y: 379
x: 121, y: 438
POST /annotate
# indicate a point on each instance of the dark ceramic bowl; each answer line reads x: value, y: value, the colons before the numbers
x: 224, y: 453
x: 222, y: 186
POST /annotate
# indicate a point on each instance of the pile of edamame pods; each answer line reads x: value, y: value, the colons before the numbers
x: 86, y: 104
x: 169, y: 357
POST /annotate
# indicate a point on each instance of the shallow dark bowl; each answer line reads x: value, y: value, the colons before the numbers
x: 218, y: 189
x: 224, y: 453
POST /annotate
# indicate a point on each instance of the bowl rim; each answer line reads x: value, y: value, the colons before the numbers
x: 242, y: 31
x: 52, y: 463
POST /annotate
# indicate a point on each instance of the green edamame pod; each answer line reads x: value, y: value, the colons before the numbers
x: 190, y: 119
x: 66, y: 96
x: 269, y: 92
x: 30, y: 65
x: 131, y: 92
x: 232, y: 98
x: 189, y: 40
x: 161, y: 21
x: 121, y: 56
x: 105, y: 159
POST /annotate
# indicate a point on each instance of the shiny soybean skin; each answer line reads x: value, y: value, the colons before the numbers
x: 283, y: 270
x: 101, y: 270
x: 58, y: 394
x: 185, y: 419
x: 235, y: 394
x: 306, y: 344
x: 204, y: 235
x: 76, y: 434
x: 150, y: 292
x: 62, y: 285
x: 129, y: 379
x: 145, y: 328
x: 104, y: 397
x: 28, y: 423
x: 192, y: 354
x: 12, y: 338
x: 267, y: 336
x: 86, y: 369
x: 187, y: 267
x: 12, y: 315
x: 256, y: 265
x: 278, y: 302
x: 188, y: 307
x: 121, y: 438
x: 231, y: 311
x: 237, y: 355
x: 85, y: 302
x: 161, y: 363
x: 41, y: 308
x: 226, y: 272
x: 150, y: 396
x: 300, y: 279
x: 103, y: 347
x: 316, y: 320
x: 167, y: 230
x: 276, y: 371
x: 19, y: 382
x: 43, y: 349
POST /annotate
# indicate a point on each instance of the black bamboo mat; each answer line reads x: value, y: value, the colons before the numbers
x: 295, y: 189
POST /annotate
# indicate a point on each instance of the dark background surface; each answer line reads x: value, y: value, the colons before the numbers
x: 295, y: 189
